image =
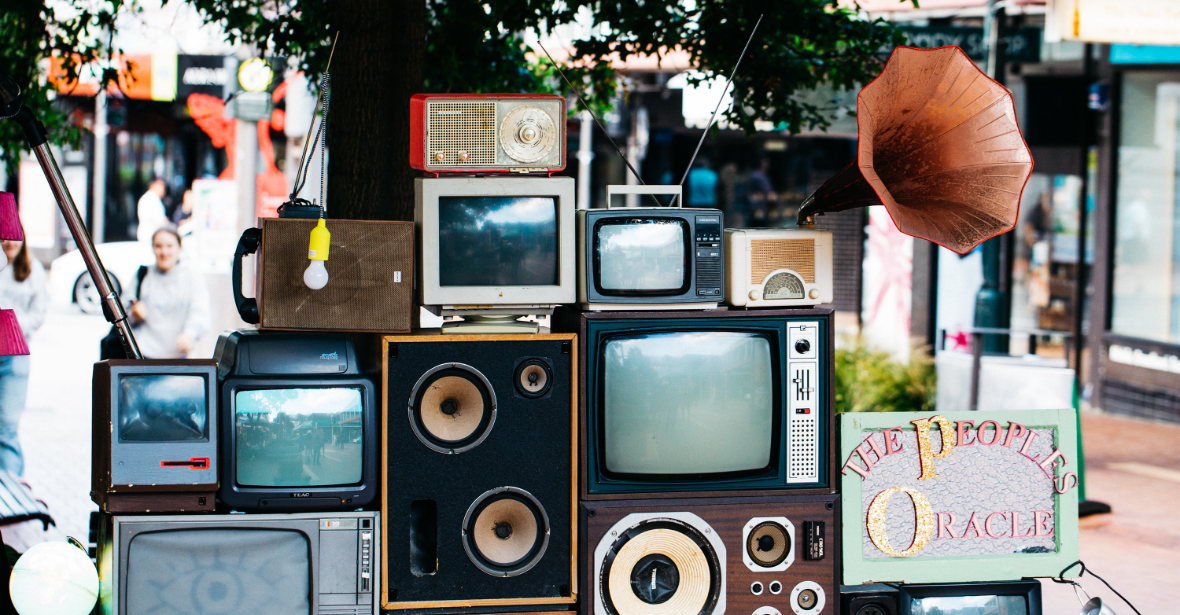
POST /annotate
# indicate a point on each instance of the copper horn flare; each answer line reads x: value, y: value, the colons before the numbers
x: 939, y: 147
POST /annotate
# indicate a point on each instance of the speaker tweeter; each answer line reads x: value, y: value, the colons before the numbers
x: 807, y: 598
x: 533, y: 377
x: 769, y: 544
x: 505, y: 532
x: 452, y: 408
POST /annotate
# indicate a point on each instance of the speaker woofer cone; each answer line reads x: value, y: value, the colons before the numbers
x: 533, y: 378
x: 452, y: 408
x: 505, y: 532
x: 768, y: 544
x: 662, y: 567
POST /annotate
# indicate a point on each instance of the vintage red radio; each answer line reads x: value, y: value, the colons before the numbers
x: 487, y: 133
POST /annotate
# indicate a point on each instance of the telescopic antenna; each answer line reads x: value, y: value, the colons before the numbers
x: 596, y: 120
x: 719, y: 101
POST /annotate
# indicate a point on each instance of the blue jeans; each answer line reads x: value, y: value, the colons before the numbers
x: 14, y: 389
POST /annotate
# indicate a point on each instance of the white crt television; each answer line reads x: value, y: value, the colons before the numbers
x: 495, y: 248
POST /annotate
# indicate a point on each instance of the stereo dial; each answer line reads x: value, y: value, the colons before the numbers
x: 527, y: 133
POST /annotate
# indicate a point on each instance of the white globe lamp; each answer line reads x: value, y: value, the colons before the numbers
x: 54, y: 578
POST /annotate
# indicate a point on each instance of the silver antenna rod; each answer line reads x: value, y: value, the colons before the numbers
x: 596, y: 120
x: 718, y: 107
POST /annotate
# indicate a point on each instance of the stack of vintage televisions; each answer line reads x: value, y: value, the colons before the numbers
x: 667, y: 447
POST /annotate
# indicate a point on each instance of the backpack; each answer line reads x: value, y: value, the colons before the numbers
x: 111, y: 346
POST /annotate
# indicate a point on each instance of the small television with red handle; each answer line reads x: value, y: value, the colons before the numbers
x: 154, y: 436
x: 487, y: 133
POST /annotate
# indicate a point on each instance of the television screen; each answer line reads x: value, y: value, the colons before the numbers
x: 219, y: 571
x: 687, y: 403
x: 497, y: 241
x: 299, y: 437
x: 162, y: 408
x: 970, y: 605
x: 659, y: 244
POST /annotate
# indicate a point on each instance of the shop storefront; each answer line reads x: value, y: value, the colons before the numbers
x: 1139, y: 362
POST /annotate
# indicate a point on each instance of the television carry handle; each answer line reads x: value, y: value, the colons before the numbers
x: 675, y: 191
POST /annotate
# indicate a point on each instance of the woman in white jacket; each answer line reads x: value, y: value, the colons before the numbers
x: 22, y: 289
x: 172, y: 309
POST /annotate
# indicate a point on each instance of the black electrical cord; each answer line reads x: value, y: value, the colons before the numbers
x: 304, y: 161
x: 1060, y: 578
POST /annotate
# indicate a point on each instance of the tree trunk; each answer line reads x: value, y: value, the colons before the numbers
x: 378, y: 65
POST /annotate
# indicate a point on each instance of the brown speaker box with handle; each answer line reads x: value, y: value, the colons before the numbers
x: 370, y: 276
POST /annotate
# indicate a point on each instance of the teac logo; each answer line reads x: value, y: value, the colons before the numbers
x: 330, y: 356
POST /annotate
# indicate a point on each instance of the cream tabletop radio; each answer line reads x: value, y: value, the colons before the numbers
x: 778, y: 267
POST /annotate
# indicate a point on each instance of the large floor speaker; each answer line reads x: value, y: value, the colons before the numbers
x: 480, y: 492
x: 708, y: 556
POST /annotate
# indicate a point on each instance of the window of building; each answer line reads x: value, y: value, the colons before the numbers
x: 1146, y: 250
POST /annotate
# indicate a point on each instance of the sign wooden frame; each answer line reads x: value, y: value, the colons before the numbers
x: 896, y: 441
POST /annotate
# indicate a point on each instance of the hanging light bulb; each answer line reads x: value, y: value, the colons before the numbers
x: 316, y: 276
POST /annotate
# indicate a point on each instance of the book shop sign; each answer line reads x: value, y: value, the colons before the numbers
x: 958, y: 496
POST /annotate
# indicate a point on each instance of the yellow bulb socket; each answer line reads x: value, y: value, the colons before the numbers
x: 317, y: 247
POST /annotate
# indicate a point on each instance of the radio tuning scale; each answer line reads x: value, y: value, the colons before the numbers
x: 527, y: 133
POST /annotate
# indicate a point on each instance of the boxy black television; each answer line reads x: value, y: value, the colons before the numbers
x: 1008, y: 598
x: 298, y: 423
x: 711, y: 401
x: 650, y: 258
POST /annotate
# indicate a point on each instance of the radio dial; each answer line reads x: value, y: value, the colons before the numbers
x: 528, y: 133
x: 464, y: 157
x: 813, y: 293
x: 440, y: 157
x: 754, y: 295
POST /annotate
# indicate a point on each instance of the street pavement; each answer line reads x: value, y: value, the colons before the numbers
x: 1133, y: 465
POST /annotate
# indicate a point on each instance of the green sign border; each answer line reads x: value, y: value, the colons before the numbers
x: 959, y: 569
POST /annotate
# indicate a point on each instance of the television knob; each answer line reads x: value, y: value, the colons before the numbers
x: 464, y: 157
x: 440, y: 157
x: 755, y: 295
x: 813, y: 293
x: 802, y: 346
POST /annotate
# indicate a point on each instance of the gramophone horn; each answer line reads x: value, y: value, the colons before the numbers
x: 939, y: 147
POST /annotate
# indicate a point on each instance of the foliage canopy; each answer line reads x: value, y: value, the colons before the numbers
x: 476, y: 46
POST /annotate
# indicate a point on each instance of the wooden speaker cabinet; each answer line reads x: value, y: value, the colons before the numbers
x: 370, y: 277
x: 479, y: 452
x: 775, y: 555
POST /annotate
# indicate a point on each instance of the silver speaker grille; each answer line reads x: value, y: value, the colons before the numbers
x: 455, y: 127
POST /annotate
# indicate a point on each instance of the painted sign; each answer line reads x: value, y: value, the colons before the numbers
x: 1020, y: 44
x: 958, y: 496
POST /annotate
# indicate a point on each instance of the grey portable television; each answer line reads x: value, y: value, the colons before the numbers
x: 292, y: 563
